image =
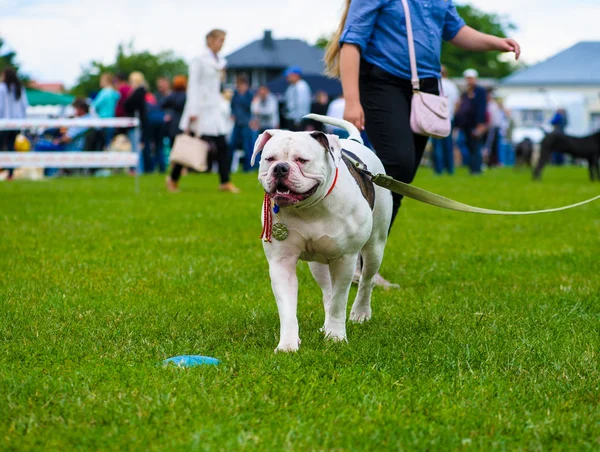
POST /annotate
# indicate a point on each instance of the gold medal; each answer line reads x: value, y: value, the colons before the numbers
x: 280, y: 231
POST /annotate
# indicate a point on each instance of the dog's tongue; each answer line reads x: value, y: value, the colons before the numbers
x: 286, y: 198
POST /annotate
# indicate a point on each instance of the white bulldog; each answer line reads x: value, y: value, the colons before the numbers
x: 328, y: 220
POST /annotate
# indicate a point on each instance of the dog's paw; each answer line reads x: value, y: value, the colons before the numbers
x: 287, y: 347
x: 336, y: 336
x: 359, y: 316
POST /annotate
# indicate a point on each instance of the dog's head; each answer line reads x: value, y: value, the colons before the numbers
x: 296, y: 167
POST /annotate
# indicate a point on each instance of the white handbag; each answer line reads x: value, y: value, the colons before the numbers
x: 190, y: 152
x: 429, y: 115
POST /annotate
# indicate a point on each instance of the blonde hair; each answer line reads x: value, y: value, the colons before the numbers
x: 332, y: 52
x: 136, y: 79
x: 215, y: 33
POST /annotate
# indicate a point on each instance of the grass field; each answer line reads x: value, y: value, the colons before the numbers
x: 492, y: 342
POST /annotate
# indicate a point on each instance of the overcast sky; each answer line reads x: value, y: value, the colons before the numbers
x: 55, y: 38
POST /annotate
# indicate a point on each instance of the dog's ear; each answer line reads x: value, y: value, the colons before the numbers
x: 260, y: 143
x: 330, y: 143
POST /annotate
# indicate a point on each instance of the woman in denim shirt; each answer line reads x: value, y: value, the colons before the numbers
x: 369, y: 52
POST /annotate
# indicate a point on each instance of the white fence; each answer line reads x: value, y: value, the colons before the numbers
x: 73, y: 159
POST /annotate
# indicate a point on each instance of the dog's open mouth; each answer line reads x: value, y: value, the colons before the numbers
x: 283, y: 195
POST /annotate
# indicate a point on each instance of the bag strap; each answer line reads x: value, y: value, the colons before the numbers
x: 411, y: 52
x: 411, y: 48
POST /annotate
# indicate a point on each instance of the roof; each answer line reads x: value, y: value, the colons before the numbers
x: 37, y: 97
x: 577, y: 65
x: 53, y: 87
x: 277, y: 54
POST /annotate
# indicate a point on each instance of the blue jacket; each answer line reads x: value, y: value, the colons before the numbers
x: 472, y: 111
x: 241, y: 108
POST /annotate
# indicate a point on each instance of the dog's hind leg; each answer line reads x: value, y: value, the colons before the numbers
x: 372, y: 255
x: 595, y: 167
x: 323, y: 278
x: 543, y: 160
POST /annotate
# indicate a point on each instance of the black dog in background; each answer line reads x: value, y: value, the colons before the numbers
x: 587, y: 148
x: 524, y: 153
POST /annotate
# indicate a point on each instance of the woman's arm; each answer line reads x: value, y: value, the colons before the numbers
x: 470, y: 39
x: 349, y: 71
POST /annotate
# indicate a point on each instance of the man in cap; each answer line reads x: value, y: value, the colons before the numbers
x: 298, y: 97
x: 471, y: 117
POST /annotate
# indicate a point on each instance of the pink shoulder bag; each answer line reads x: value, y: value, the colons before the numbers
x: 429, y: 114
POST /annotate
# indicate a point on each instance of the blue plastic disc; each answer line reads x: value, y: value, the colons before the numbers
x: 191, y: 360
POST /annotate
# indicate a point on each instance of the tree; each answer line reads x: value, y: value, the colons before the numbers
x: 8, y: 59
x: 127, y: 60
x: 488, y: 64
x: 322, y: 42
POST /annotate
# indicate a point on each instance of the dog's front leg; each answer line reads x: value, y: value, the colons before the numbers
x: 284, y: 282
x: 341, y: 270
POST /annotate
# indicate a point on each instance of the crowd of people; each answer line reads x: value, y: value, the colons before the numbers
x: 197, y: 104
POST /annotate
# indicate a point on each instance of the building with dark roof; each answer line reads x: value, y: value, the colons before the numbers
x: 578, y: 65
x: 265, y: 59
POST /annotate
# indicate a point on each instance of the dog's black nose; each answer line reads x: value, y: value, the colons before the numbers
x: 281, y: 169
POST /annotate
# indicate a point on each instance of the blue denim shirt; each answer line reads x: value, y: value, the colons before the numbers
x: 378, y: 27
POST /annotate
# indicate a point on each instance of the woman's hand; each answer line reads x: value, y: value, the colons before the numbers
x: 509, y: 45
x: 353, y: 113
x: 469, y: 39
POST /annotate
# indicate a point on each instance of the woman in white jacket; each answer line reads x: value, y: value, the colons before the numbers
x: 202, y: 112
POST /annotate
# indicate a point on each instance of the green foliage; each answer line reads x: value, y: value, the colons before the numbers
x: 322, y: 42
x: 488, y: 64
x: 10, y: 59
x: 127, y: 60
x: 492, y: 342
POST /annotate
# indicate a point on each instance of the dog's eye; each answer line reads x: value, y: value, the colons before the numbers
x: 270, y: 159
x: 301, y: 160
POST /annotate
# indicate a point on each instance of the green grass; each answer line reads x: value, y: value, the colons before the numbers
x: 492, y: 342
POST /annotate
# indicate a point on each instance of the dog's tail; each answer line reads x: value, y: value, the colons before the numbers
x: 342, y: 124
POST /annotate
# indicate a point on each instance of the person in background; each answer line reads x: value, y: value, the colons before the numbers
x: 318, y: 107
x: 559, y: 123
x: 471, y: 117
x: 163, y: 88
x: 265, y: 109
x: 124, y: 90
x: 443, y: 149
x: 242, y: 136
x: 202, y: 114
x: 173, y: 105
x: 72, y: 139
x: 155, y: 135
x: 105, y: 102
x: 297, y: 99
x: 13, y: 105
x: 265, y: 113
x: 496, y: 121
x: 336, y: 110
x: 122, y: 86
x: 135, y: 106
x: 105, y: 106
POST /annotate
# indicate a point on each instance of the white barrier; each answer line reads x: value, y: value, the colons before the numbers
x: 19, y: 124
x: 69, y: 159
